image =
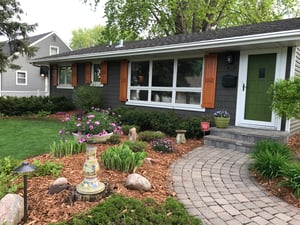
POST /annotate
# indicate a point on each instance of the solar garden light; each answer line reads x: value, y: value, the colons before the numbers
x: 24, y: 169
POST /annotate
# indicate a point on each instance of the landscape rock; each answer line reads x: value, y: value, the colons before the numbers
x: 11, y: 209
x: 137, y: 182
x: 59, y: 185
x: 60, y: 181
x: 132, y: 135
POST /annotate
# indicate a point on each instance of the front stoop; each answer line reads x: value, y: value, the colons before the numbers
x: 242, y: 139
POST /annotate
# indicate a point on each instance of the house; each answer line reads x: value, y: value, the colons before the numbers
x: 192, y: 74
x: 31, y: 80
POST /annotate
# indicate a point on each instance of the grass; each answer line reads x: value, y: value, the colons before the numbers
x: 23, y: 138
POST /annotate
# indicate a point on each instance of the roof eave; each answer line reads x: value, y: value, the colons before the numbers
x: 267, y: 38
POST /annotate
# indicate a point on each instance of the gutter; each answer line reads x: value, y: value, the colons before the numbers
x: 275, y: 37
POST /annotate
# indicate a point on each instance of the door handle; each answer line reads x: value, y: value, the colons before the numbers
x: 244, y: 86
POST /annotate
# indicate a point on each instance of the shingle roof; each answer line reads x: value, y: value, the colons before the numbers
x: 31, y: 40
x: 238, y: 31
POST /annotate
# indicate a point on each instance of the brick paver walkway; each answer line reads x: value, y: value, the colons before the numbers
x: 215, y: 186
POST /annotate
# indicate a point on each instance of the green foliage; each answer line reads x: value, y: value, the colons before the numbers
x: 286, y: 98
x: 126, y: 128
x: 192, y: 127
x: 291, y: 174
x: 114, y: 139
x: 47, y: 168
x: 136, y: 146
x: 122, y: 210
x: 122, y: 158
x: 19, y: 106
x: 86, y: 97
x: 67, y: 147
x: 7, y: 178
x: 163, y: 145
x: 269, y: 158
x: 149, y: 136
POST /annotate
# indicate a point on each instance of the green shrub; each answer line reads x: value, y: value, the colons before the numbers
x: 149, y: 136
x: 114, y: 139
x: 7, y: 178
x: 163, y: 145
x: 136, y: 146
x: 85, y: 97
x: 126, y: 128
x: 192, y: 127
x: 269, y: 158
x: 123, y: 210
x: 122, y: 158
x: 48, y: 168
x: 67, y: 147
x: 291, y: 174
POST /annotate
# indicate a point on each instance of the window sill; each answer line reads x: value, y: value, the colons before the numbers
x: 65, y: 87
x: 96, y: 84
x: 167, y: 106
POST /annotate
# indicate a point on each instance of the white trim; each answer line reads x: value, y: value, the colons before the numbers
x: 60, y: 86
x: 53, y: 47
x: 242, y: 80
x: 240, y: 41
x: 21, y: 72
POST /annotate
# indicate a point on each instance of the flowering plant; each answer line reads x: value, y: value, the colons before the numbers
x: 222, y: 113
x: 97, y: 122
x: 163, y: 145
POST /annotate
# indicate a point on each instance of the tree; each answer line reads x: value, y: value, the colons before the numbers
x: 16, y: 32
x: 169, y: 17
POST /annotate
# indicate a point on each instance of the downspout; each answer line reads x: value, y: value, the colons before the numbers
x: 287, y: 77
x: 0, y: 84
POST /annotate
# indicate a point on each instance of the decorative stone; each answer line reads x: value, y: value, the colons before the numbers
x: 132, y: 135
x: 11, y: 209
x: 90, y: 185
x: 137, y: 182
x: 180, y: 138
x: 60, y: 181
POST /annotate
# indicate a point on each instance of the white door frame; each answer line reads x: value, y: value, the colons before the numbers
x: 281, y: 56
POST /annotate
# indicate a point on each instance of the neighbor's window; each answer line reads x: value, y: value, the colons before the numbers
x: 175, y: 83
x: 21, y: 77
x: 54, y: 50
x: 65, y: 76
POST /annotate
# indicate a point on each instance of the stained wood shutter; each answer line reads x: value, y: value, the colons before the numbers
x: 74, y: 75
x: 210, y: 78
x: 54, y: 74
x: 87, y: 73
x: 123, y: 80
x: 103, y: 72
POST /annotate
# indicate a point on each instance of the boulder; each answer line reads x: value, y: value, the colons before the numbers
x: 137, y: 182
x: 11, y: 209
x: 60, y: 181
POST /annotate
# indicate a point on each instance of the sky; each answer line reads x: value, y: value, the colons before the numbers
x: 61, y: 16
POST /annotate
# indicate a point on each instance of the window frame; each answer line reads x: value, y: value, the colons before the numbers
x: 64, y: 85
x: 173, y: 89
x: 18, y: 72
x: 53, y: 47
x: 95, y: 83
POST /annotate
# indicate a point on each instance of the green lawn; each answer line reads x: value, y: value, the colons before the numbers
x: 23, y: 138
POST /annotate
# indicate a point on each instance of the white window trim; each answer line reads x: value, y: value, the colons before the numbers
x: 63, y: 86
x: 173, y: 89
x: 52, y: 46
x: 17, y: 73
x: 95, y: 83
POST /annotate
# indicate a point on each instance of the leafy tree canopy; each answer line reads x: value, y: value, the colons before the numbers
x: 16, y: 32
x: 168, y: 17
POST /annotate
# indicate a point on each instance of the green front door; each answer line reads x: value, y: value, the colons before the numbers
x: 260, y: 75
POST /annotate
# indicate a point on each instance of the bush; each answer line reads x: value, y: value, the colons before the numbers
x: 122, y: 158
x: 47, y: 168
x: 163, y: 145
x: 123, y: 210
x: 192, y: 127
x: 269, y: 158
x: 136, y: 146
x: 149, y: 136
x: 291, y: 174
x: 114, y: 139
x: 67, y: 147
x: 85, y: 97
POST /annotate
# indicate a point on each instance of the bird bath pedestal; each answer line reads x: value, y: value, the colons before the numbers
x: 91, y: 189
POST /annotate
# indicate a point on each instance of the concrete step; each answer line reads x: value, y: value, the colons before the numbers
x: 242, y: 139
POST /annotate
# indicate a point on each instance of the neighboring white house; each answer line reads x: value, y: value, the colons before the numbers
x: 31, y: 80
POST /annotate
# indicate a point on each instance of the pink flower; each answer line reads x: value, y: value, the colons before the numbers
x: 91, y: 127
x: 91, y: 116
x: 97, y: 122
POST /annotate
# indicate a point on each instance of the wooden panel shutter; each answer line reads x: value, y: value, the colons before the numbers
x: 54, y: 75
x: 103, y: 73
x: 74, y: 75
x: 209, y: 81
x: 87, y: 73
x: 123, y: 80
